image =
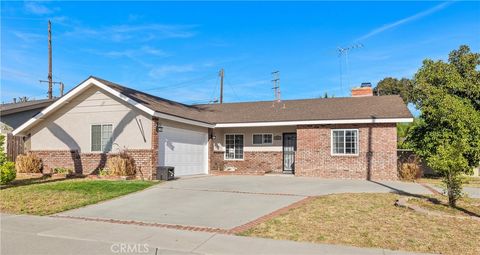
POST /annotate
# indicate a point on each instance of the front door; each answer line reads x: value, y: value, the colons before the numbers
x: 289, y: 148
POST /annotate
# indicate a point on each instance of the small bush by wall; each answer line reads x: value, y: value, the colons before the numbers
x: 29, y: 163
x: 122, y: 164
x: 7, y: 172
x: 62, y: 170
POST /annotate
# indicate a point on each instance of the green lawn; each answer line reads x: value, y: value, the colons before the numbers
x: 372, y: 220
x: 48, y: 196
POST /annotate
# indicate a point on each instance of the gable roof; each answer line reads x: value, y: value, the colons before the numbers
x: 373, y: 109
x: 158, y: 104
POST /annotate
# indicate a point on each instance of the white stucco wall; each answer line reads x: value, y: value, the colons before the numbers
x: 219, y: 133
x: 69, y: 128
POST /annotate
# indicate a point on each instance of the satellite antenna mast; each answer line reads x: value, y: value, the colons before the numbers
x: 276, y: 85
x: 343, y: 52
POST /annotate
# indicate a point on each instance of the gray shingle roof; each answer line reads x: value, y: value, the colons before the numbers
x: 10, y: 108
x: 267, y: 111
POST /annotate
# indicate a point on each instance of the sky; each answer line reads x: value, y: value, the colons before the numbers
x: 176, y: 49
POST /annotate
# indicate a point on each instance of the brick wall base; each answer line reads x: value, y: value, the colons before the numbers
x: 377, y: 158
x: 90, y: 163
x: 253, y: 163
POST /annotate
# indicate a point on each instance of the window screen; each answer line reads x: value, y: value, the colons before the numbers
x: 259, y: 139
x: 345, y: 141
x: 102, y: 137
x: 233, y: 146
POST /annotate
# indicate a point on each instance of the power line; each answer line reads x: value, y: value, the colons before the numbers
x: 187, y: 83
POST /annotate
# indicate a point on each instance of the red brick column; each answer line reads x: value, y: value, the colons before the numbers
x: 210, y: 150
x: 155, y: 147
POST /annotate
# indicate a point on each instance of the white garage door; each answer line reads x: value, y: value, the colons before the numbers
x: 183, y: 149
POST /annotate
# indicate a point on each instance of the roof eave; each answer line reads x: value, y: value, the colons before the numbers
x: 314, y: 122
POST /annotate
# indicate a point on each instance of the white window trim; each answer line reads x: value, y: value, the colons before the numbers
x: 113, y: 138
x: 225, y: 146
x: 262, y: 139
x: 345, y: 154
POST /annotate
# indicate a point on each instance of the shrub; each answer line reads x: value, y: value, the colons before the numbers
x: 62, y: 170
x: 103, y: 172
x: 409, y: 171
x: 7, y: 172
x: 29, y: 163
x: 3, y: 157
x: 121, y: 165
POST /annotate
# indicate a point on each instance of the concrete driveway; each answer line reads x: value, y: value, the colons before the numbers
x: 225, y: 202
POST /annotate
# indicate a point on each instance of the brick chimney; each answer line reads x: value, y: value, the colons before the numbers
x: 365, y: 90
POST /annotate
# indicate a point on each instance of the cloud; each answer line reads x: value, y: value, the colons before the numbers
x: 28, y: 37
x: 142, y: 33
x: 395, y: 24
x: 37, y: 8
x: 132, y: 53
x: 165, y: 70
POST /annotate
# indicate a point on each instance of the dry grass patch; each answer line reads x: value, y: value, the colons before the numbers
x: 469, y: 181
x: 60, y: 195
x: 465, y: 206
x: 372, y: 220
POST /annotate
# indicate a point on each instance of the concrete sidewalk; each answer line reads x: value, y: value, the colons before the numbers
x: 21, y: 234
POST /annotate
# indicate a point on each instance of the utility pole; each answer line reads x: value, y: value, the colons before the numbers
x: 221, y: 74
x: 276, y: 85
x: 50, y: 78
x: 50, y: 74
x: 62, y: 87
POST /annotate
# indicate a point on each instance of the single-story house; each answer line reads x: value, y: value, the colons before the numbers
x: 352, y: 137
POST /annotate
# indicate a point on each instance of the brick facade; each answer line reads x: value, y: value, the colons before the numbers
x: 255, y: 163
x: 377, y: 159
x: 88, y: 163
x: 146, y: 160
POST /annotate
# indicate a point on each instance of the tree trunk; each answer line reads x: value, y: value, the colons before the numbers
x: 452, y: 200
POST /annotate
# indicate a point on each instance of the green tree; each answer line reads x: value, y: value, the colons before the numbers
x: 447, y: 137
x: 3, y: 157
x: 403, y: 129
x: 394, y: 86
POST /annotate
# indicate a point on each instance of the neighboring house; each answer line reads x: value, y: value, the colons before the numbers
x: 12, y: 115
x: 333, y: 138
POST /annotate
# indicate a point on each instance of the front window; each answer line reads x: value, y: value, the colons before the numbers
x: 102, y: 137
x: 259, y: 139
x: 233, y: 146
x: 345, y: 142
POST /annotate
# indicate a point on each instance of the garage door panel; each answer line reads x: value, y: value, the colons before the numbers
x: 186, y: 150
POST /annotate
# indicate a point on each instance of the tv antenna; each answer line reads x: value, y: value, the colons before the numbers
x: 343, y: 54
x: 276, y: 85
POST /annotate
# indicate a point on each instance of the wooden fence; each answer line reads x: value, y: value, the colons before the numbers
x: 15, y: 146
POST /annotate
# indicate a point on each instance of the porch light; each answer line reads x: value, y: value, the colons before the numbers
x: 159, y: 128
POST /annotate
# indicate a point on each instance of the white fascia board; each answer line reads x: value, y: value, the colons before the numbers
x: 66, y: 98
x: 313, y: 122
x: 183, y: 120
